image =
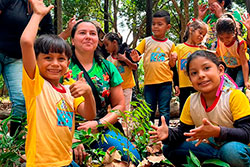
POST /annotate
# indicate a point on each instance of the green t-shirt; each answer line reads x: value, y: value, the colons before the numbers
x: 103, y: 77
x: 211, y: 20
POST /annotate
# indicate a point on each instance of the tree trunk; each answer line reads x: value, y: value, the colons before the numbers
x: 148, y: 17
x: 195, y: 8
x: 115, y: 5
x: 106, y: 17
x: 58, y: 16
x: 248, y: 6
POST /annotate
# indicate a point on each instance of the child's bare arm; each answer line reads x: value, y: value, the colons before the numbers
x: 123, y: 58
x: 29, y: 35
x: 67, y: 32
x: 244, y: 65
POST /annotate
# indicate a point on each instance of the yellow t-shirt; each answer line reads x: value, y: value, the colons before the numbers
x: 230, y: 54
x: 230, y: 106
x: 156, y: 59
x: 125, y: 72
x: 183, y: 51
x: 51, y: 122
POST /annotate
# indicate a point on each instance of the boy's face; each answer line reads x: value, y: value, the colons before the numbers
x: 160, y: 27
x: 52, y: 66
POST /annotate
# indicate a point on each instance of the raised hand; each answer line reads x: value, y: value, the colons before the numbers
x: 246, y: 21
x: 218, y: 10
x: 39, y: 7
x: 80, y: 87
x: 160, y: 133
x: 202, y: 10
x: 206, y: 130
x: 135, y: 56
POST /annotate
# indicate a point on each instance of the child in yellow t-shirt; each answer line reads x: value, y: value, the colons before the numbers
x: 215, y: 121
x: 50, y: 106
x: 156, y: 63
x: 232, y: 49
x: 124, y: 64
x: 194, y: 35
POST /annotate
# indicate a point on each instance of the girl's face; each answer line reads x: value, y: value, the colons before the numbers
x: 86, y: 37
x: 110, y: 46
x: 198, y: 35
x: 226, y: 38
x: 205, y: 75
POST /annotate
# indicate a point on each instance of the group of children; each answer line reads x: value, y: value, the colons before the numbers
x: 213, y: 121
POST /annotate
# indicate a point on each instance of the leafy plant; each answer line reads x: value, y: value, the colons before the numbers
x: 10, y: 146
x: 87, y: 138
x: 192, y: 161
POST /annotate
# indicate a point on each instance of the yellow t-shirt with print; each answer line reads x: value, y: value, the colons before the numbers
x: 156, y: 59
x: 230, y: 54
x: 183, y: 51
x: 125, y: 72
x: 51, y: 122
x: 230, y: 106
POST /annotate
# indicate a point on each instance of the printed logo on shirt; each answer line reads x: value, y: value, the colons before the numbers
x: 158, y: 55
x: 184, y: 61
x: 64, y: 114
x: 120, y: 68
x: 230, y: 60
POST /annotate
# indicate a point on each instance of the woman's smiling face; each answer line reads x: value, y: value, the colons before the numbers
x: 86, y: 37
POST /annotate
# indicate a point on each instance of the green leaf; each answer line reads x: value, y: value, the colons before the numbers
x: 113, y: 150
x: 216, y: 162
x: 89, y: 131
x: 74, y: 145
x: 194, y: 158
x: 166, y: 161
x: 191, y: 163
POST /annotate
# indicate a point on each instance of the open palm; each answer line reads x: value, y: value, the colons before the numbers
x: 246, y: 21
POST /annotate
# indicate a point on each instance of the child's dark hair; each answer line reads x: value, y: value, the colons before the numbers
x: 226, y: 24
x: 49, y: 43
x: 196, y: 24
x: 163, y: 13
x: 111, y: 36
x: 227, y: 3
x: 202, y: 53
x: 98, y: 53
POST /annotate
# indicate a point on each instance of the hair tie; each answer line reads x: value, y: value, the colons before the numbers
x: 191, y: 21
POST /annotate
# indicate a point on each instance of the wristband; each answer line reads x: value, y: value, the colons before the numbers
x: 101, y: 128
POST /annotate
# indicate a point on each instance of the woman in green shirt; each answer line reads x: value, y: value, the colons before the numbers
x: 106, y: 87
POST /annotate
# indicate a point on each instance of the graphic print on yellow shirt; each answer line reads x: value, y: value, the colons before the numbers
x: 183, y: 51
x: 158, y: 55
x: 65, y: 114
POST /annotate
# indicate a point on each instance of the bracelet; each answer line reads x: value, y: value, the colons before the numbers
x: 101, y: 128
